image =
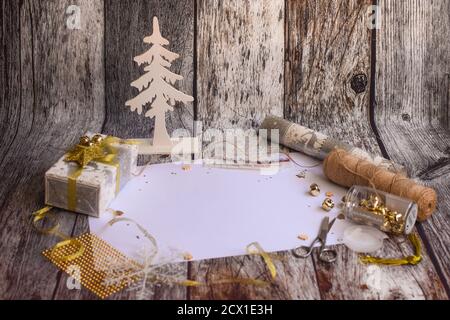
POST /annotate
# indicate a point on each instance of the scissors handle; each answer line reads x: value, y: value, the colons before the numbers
x: 307, y: 250
x: 327, y: 255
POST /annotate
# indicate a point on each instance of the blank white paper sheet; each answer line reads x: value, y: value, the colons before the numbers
x: 212, y: 212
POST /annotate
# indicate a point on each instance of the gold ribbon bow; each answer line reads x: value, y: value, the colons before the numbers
x: 97, y: 149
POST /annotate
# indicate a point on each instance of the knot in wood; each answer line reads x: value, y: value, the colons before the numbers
x: 359, y: 83
x: 406, y: 117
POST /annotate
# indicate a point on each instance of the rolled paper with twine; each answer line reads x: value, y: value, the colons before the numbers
x: 317, y: 144
x: 347, y: 170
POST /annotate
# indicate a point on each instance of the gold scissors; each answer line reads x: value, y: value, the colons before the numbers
x: 325, y: 254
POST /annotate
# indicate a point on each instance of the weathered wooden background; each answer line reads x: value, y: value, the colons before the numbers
x: 314, y: 61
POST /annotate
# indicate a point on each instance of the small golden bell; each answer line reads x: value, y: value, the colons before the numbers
x: 381, y: 210
x: 328, y: 204
x: 373, y: 203
x: 314, y: 190
x: 85, y: 141
x: 398, y: 217
x: 97, y: 139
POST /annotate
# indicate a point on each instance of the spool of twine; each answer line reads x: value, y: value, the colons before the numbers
x: 347, y: 170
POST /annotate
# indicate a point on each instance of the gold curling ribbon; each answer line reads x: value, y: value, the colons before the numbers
x: 142, y: 229
x: 410, y: 260
x: 260, y: 251
x: 54, y: 230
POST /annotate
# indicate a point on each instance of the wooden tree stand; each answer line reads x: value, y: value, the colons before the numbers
x: 177, y: 146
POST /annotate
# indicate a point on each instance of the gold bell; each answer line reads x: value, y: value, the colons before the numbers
x: 373, y: 203
x: 85, y: 141
x: 97, y: 139
x: 328, y: 204
x: 398, y: 217
x: 314, y: 190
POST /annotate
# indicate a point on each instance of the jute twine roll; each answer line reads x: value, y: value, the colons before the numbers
x: 347, y: 170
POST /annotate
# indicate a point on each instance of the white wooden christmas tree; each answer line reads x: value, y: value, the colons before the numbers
x: 156, y: 90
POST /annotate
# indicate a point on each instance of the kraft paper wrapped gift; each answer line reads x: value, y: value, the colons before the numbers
x: 96, y: 186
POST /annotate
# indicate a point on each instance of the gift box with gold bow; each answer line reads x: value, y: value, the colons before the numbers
x: 90, y: 175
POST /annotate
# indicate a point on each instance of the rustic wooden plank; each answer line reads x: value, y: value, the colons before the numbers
x: 127, y: 23
x: 328, y: 68
x: 328, y: 56
x: 240, y: 59
x: 9, y: 64
x: 413, y: 61
x: 240, y: 81
x: 426, y: 152
x: 413, y: 105
x: 53, y: 92
x: 295, y: 279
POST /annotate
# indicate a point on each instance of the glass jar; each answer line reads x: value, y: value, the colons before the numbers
x: 387, y: 212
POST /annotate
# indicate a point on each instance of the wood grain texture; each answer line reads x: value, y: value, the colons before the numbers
x: 240, y: 62
x: 321, y: 93
x: 413, y: 61
x: 295, y: 279
x: 53, y: 91
x: 426, y: 151
x: 127, y: 23
x: 412, y: 105
x: 328, y: 44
